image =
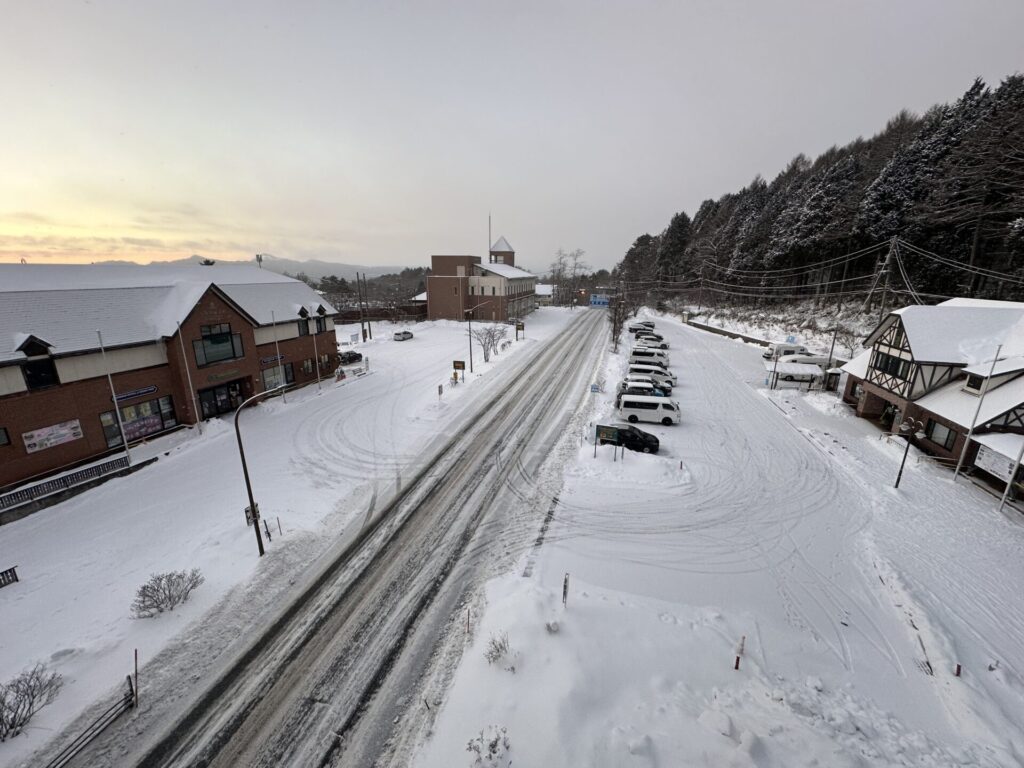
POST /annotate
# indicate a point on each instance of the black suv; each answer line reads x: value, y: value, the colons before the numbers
x: 629, y: 437
x: 347, y: 358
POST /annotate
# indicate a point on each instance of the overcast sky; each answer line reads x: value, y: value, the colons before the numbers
x: 382, y: 132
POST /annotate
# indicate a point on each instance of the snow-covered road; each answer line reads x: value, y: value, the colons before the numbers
x: 767, y: 521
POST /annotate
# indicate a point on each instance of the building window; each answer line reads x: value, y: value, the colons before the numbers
x: 940, y: 434
x: 307, y: 366
x: 217, y: 344
x: 471, y: 291
x: 139, y: 420
x: 40, y: 373
x: 894, y: 366
x: 5, y: 439
x: 321, y: 324
x: 455, y: 290
x: 493, y: 290
x: 272, y: 376
x: 325, y: 360
x: 974, y: 382
x: 304, y: 327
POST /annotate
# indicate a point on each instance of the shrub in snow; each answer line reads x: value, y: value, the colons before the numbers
x: 25, y: 695
x: 163, y: 591
x: 490, y: 747
x: 497, y: 648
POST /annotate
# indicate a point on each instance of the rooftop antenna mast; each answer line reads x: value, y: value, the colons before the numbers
x: 489, y: 236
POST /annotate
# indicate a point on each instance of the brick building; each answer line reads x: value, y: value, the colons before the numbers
x: 496, y: 291
x: 181, y: 343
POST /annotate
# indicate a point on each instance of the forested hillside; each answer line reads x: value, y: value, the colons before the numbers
x: 949, y: 185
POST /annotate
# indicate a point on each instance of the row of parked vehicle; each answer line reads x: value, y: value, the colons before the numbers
x: 645, y: 394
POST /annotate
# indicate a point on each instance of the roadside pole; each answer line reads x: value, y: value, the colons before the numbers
x: 113, y: 396
x: 188, y: 376
x: 974, y: 421
x: 1013, y: 476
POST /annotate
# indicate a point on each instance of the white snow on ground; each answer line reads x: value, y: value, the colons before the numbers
x: 315, y: 463
x: 769, y: 523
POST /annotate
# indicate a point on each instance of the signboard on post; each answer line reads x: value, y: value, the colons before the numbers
x: 611, y: 434
x: 354, y: 338
x: 599, y: 300
x: 791, y: 339
x: 459, y: 365
x: 994, y: 463
x: 250, y: 517
x: 521, y: 326
x: 595, y: 388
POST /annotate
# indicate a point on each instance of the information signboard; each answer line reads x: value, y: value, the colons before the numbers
x: 994, y: 463
x: 47, y: 437
x: 459, y: 365
x: 599, y: 300
x: 610, y: 434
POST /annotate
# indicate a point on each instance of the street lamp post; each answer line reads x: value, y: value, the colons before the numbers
x: 907, y: 428
x: 469, y: 317
x: 245, y: 468
x: 316, y: 353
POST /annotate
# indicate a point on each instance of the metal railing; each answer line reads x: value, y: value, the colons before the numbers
x: 100, y: 724
x: 47, y: 487
x: 8, y: 576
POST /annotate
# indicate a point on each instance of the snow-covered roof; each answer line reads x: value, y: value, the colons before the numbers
x: 502, y: 246
x: 129, y: 304
x: 951, y: 402
x: 1004, y: 443
x: 505, y: 270
x: 964, y: 302
x: 1005, y: 365
x: 419, y: 297
x: 859, y: 365
x: 544, y: 289
x: 792, y: 369
x: 959, y: 334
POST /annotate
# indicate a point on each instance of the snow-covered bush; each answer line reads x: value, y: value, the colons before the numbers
x: 491, y: 748
x: 163, y: 591
x: 497, y: 648
x: 25, y: 695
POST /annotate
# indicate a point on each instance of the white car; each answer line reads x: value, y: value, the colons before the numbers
x: 402, y: 335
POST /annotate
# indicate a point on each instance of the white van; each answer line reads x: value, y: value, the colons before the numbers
x: 820, y: 360
x: 634, y: 408
x: 657, y: 372
x: 646, y: 354
x: 780, y: 348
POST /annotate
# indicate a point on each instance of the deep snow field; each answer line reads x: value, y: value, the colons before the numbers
x: 768, y: 528
x: 317, y: 462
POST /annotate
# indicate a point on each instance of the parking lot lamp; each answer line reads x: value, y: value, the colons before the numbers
x: 469, y: 317
x: 245, y: 467
x: 909, y: 428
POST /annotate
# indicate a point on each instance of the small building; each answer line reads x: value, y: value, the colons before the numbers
x: 934, y: 365
x: 545, y: 293
x: 180, y: 343
x: 496, y: 291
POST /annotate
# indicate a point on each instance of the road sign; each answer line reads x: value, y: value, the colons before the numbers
x: 249, y: 516
x: 791, y: 339
x: 595, y: 388
x: 459, y: 365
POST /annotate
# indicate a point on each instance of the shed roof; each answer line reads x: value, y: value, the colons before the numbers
x: 505, y: 270
x: 953, y: 403
x: 1004, y: 365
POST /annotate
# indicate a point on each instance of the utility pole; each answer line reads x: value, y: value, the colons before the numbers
x: 842, y: 287
x: 359, y: 301
x: 366, y: 300
x: 886, y: 269
x: 469, y: 317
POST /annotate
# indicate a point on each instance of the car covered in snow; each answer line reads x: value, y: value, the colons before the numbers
x: 642, y: 325
x: 661, y: 382
x: 628, y: 437
x: 402, y: 335
x: 651, y: 340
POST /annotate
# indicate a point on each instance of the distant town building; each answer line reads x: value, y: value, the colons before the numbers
x: 496, y: 291
x: 182, y: 343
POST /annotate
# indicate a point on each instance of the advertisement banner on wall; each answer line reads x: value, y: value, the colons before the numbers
x: 47, y: 437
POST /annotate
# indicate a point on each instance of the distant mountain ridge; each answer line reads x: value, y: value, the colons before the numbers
x: 317, y: 269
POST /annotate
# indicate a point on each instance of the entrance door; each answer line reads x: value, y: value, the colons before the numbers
x: 224, y: 398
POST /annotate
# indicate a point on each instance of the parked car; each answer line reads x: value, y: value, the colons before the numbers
x: 402, y: 335
x: 642, y: 325
x: 651, y: 340
x: 805, y: 357
x: 661, y: 382
x: 641, y: 388
x: 649, y: 355
x: 658, y: 373
x: 348, y: 358
x: 628, y: 437
x: 634, y: 408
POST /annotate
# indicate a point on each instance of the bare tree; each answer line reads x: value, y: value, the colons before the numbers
x: 164, y: 591
x: 576, y: 266
x: 558, y: 270
x: 25, y: 695
x: 489, y: 336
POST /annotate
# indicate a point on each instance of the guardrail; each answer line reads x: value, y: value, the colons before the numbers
x: 9, y: 576
x: 94, y: 729
x: 57, y: 484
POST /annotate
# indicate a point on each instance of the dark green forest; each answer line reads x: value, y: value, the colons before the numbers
x: 930, y: 207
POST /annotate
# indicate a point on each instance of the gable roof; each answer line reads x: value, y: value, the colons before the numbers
x: 957, y: 334
x: 502, y: 246
x: 505, y: 270
x: 1003, y: 365
x: 129, y: 304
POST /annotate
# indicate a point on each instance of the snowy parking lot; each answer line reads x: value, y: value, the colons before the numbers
x: 767, y: 528
x: 318, y: 462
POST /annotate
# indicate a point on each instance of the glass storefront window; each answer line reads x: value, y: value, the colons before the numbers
x: 139, y: 420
